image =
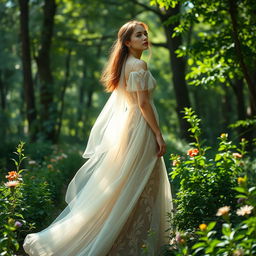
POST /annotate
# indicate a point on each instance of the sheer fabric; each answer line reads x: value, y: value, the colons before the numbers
x: 120, y: 193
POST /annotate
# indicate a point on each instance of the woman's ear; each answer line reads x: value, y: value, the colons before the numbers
x: 127, y: 43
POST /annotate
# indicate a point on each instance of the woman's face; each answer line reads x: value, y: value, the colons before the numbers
x: 139, y: 39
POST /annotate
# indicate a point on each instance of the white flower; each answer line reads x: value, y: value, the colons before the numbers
x: 223, y: 210
x: 244, y: 210
x: 32, y: 162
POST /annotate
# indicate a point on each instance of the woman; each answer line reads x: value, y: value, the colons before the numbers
x: 119, y: 200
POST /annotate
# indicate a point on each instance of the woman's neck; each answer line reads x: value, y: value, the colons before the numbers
x: 135, y: 54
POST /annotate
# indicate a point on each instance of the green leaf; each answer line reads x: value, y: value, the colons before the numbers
x: 211, y: 225
x: 197, y: 245
x: 240, y: 189
x: 226, y: 229
x: 218, y: 157
x: 212, y: 246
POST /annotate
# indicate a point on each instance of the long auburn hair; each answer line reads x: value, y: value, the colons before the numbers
x: 119, y: 51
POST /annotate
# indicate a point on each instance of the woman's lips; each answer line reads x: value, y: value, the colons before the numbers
x: 146, y: 43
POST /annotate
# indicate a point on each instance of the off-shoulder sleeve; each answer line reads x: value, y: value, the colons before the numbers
x: 141, y: 80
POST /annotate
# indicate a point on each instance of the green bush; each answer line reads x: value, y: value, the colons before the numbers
x: 205, y: 183
x: 37, y: 197
x: 54, y: 167
x: 11, y: 211
x: 235, y: 239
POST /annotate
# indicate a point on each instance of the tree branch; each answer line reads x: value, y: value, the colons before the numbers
x: 154, y: 10
x: 165, y: 45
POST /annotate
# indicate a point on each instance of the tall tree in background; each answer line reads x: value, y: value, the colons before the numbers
x: 48, y: 111
x: 178, y: 65
x: 223, y: 53
x: 27, y: 73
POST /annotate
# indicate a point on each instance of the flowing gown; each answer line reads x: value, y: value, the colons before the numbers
x: 120, y: 199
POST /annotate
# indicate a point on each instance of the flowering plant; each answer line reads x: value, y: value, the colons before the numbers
x: 205, y: 180
x: 234, y: 239
x: 11, y: 213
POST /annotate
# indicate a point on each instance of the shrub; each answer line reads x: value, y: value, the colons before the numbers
x: 30, y: 199
x: 11, y: 212
x: 234, y: 239
x: 205, y: 183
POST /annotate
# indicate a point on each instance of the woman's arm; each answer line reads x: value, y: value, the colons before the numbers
x: 149, y: 115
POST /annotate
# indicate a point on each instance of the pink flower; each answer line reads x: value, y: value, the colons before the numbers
x: 237, y: 155
x: 178, y: 238
x: 12, y: 183
x: 17, y: 224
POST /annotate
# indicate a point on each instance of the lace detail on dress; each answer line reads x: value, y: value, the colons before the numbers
x: 141, y: 80
x: 134, y: 233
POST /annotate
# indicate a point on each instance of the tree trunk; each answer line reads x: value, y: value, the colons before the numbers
x: 2, y: 92
x: 178, y: 67
x: 62, y: 95
x: 238, y: 47
x: 27, y: 72
x: 48, y: 111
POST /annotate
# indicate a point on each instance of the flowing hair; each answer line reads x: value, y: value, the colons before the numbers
x: 118, y: 54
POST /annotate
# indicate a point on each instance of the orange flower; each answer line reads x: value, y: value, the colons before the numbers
x: 241, y: 180
x: 13, y: 175
x: 237, y: 155
x: 192, y: 152
x: 12, y: 183
x: 203, y: 227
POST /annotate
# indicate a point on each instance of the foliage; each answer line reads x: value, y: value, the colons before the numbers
x: 234, y: 239
x: 46, y: 181
x: 212, y: 56
x: 32, y: 202
x: 220, y: 52
x: 205, y: 183
x: 11, y: 212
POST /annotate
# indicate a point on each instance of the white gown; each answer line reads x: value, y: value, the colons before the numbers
x: 120, y: 193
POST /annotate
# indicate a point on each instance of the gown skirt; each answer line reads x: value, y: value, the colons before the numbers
x: 120, y: 199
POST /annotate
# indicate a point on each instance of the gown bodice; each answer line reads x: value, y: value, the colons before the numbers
x: 140, y: 80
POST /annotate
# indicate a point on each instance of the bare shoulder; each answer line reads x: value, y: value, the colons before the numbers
x: 140, y: 64
x: 135, y: 64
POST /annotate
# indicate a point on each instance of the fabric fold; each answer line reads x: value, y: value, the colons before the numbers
x: 141, y: 80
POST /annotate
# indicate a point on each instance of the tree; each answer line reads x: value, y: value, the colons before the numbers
x: 27, y: 72
x: 48, y: 112
x: 223, y: 52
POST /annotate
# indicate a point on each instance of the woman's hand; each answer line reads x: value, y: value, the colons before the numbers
x: 161, y: 145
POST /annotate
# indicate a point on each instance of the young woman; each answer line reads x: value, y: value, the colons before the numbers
x: 120, y: 200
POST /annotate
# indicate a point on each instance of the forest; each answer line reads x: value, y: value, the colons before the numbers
x: 203, y: 57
